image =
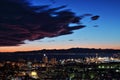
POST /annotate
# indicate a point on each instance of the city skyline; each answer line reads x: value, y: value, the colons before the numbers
x: 102, y: 33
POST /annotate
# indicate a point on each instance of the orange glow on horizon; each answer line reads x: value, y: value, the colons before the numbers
x: 58, y: 46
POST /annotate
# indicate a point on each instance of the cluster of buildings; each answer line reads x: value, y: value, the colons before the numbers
x: 29, y: 70
x: 88, y: 60
x: 24, y: 68
x: 102, y: 60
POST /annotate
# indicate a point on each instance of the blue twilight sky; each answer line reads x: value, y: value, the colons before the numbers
x: 106, y: 35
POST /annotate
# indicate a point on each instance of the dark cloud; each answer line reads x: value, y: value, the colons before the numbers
x: 20, y: 22
x: 51, y: 41
x: 96, y: 26
x: 71, y: 40
x: 95, y: 17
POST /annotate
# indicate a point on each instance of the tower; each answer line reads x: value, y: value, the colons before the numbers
x: 45, y: 58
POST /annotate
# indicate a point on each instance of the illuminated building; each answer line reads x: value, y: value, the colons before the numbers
x: 34, y: 74
x: 45, y: 58
x: 53, y: 61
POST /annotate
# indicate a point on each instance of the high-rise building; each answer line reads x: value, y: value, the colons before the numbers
x: 45, y: 58
x: 53, y: 61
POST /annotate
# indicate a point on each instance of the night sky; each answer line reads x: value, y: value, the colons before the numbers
x: 59, y: 24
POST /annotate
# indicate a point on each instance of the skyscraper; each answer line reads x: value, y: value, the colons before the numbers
x: 45, y: 58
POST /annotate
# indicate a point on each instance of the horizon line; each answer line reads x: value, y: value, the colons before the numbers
x: 56, y: 49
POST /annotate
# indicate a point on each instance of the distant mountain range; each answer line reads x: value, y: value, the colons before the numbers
x: 71, y: 50
x: 59, y: 54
